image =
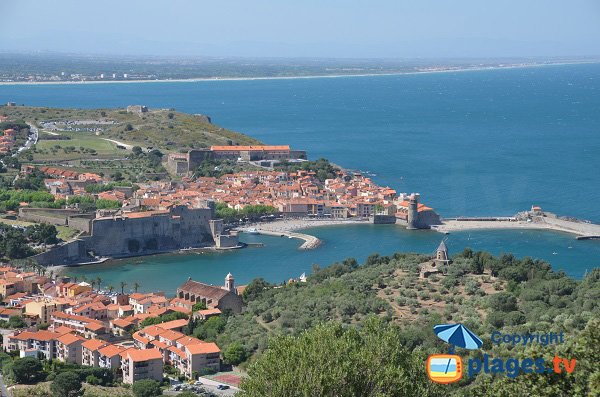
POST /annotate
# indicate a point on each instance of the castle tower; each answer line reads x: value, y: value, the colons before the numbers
x: 229, y: 283
x: 413, y: 211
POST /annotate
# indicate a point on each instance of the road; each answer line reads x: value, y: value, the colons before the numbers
x: 125, y: 145
x: 32, y: 139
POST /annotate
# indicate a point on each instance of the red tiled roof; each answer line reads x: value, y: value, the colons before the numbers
x: 203, y: 348
x: 144, y: 355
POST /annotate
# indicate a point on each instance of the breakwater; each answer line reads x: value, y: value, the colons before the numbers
x: 310, y: 242
x: 583, y: 230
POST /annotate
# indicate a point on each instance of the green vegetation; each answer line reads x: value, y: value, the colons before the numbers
x: 27, y: 370
x: 235, y: 354
x: 218, y: 168
x: 322, y: 168
x: 73, y: 146
x: 99, y: 188
x: 483, y: 292
x: 14, y: 242
x: 146, y: 388
x: 115, y: 142
x: 331, y: 360
x: 13, y: 322
x: 166, y: 129
x: 66, y: 384
x: 208, y: 329
x: 11, y: 199
x: 252, y: 212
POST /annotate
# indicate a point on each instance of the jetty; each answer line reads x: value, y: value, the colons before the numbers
x: 534, y: 219
x: 310, y: 242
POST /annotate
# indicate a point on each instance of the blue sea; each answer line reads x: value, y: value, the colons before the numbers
x: 489, y: 142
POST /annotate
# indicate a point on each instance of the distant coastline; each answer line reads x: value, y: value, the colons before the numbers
x: 323, y: 76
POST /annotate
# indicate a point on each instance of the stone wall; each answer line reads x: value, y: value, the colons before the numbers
x: 224, y: 241
x: 197, y: 157
x: 46, y: 215
x: 81, y: 222
x: 181, y: 228
x: 384, y: 219
x: 68, y: 253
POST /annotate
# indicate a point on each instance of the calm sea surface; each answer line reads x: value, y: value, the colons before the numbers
x: 472, y: 143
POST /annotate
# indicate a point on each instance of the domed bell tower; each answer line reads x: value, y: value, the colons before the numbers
x: 230, y: 283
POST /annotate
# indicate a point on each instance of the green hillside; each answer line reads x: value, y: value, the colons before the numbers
x: 102, y: 140
x: 485, y: 293
x: 159, y: 128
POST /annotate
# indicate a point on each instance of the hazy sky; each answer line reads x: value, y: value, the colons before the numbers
x: 304, y: 28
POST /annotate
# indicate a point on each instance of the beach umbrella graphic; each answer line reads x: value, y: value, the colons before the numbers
x: 458, y: 335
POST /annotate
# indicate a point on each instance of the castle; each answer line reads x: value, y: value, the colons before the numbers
x: 124, y: 234
x: 184, y: 163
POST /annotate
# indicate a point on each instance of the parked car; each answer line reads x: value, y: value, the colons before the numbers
x: 222, y: 387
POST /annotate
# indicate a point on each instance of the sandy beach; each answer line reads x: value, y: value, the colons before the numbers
x: 331, y: 76
x: 288, y: 227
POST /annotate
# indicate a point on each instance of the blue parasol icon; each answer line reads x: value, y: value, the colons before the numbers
x: 458, y: 335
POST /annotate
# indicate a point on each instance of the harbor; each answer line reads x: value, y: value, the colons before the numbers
x: 534, y: 220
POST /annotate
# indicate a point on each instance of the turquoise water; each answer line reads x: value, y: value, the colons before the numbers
x: 280, y: 259
x: 472, y: 143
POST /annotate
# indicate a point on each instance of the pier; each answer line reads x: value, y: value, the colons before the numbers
x: 583, y: 230
x: 310, y: 242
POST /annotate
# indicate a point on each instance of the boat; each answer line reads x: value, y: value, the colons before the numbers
x: 251, y: 230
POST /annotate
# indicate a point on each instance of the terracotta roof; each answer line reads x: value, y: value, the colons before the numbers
x: 94, y: 326
x: 111, y: 350
x: 208, y: 312
x: 68, y: 339
x: 171, y: 335
x: 93, y: 344
x: 205, y: 290
x: 173, y: 324
x: 153, y: 331
x: 136, y: 336
x: 188, y: 340
x: 203, y: 348
x: 39, y: 335
x: 144, y: 355
x: 159, y: 344
x: 177, y: 351
x: 121, y: 323
x: 248, y: 148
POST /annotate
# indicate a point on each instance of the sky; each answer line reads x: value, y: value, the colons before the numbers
x: 306, y: 28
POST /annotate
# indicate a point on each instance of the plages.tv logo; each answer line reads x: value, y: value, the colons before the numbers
x: 449, y: 368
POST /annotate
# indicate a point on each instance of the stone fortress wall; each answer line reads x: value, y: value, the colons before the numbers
x: 143, y: 233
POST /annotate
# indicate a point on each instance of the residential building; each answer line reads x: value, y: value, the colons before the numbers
x: 141, y: 364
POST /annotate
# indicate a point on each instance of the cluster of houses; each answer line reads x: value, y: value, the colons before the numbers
x: 7, y: 140
x: 292, y: 194
x: 71, y: 322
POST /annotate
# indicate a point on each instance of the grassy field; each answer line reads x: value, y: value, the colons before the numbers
x: 66, y: 233
x: 162, y: 128
x: 13, y: 222
x: 87, y: 131
x: 81, y: 145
